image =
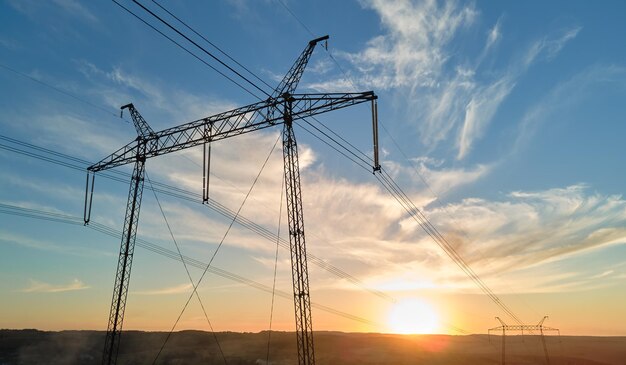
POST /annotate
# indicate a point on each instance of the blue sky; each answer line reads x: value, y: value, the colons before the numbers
x: 512, y: 112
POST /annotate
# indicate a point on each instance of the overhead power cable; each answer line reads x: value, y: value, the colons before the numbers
x: 217, y: 249
x: 402, y: 198
x: 204, y: 50
x: 61, y: 91
x: 433, y: 233
x: 280, y: 215
x: 407, y: 204
x: 440, y: 240
x: 61, y: 218
x: 152, y: 247
x: 167, y: 223
x: 396, y: 190
x: 185, y: 49
x: 210, y: 43
x: 179, y: 193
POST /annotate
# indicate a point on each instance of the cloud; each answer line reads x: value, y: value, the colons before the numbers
x: 479, y: 111
x: 436, y: 179
x: 340, y: 83
x: 29, y: 242
x: 494, y: 35
x: 565, y: 96
x: 74, y: 8
x: 321, y: 67
x: 365, y: 231
x: 506, y: 241
x: 42, y: 287
x: 119, y: 86
x: 178, y: 289
x: 411, y: 52
x: 445, y: 96
x: 530, y: 228
x: 9, y: 43
x: 551, y: 45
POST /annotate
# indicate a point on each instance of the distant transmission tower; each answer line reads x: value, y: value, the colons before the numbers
x: 521, y: 328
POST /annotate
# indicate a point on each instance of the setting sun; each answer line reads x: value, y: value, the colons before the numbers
x: 413, y: 316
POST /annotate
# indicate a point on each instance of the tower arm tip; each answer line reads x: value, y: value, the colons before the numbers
x: 317, y: 40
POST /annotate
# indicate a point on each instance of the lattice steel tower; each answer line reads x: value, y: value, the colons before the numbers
x: 283, y: 106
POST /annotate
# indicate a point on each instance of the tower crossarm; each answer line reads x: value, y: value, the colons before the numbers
x: 249, y: 118
x: 529, y: 327
x: 292, y: 78
x: 141, y: 126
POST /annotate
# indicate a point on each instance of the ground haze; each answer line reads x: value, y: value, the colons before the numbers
x: 337, y: 348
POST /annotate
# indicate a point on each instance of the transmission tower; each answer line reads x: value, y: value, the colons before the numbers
x: 521, y: 328
x: 283, y: 106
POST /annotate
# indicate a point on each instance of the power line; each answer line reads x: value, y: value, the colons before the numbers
x: 405, y: 202
x: 211, y: 43
x: 52, y: 87
x: 402, y: 198
x: 217, y: 248
x: 167, y: 223
x: 410, y: 207
x: 204, y: 50
x: 186, y: 195
x: 147, y: 245
x: 434, y: 193
x: 185, y: 49
x: 280, y: 215
x: 176, y: 192
x: 432, y: 231
x: 295, y: 17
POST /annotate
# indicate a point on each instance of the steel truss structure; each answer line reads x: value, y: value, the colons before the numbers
x: 528, y: 328
x: 282, y: 107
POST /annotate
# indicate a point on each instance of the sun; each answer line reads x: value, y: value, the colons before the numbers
x: 413, y: 316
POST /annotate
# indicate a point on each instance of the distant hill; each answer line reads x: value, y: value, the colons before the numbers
x: 336, y: 348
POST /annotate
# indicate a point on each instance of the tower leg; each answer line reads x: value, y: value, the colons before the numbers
x: 545, y: 347
x: 503, y: 345
x: 299, y: 269
x: 122, y: 277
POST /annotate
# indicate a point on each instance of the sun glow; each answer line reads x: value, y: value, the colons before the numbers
x: 413, y: 316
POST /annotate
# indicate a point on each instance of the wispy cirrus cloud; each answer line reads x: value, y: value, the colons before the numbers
x: 505, y: 241
x: 69, y: 7
x: 119, y: 86
x: 177, y: 289
x: 494, y: 35
x: 36, y: 286
x: 529, y: 228
x: 412, y: 51
x: 25, y: 241
x: 76, y: 9
x: 447, y: 98
x: 435, y: 179
x: 567, y: 95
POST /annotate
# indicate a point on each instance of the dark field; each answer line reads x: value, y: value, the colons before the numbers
x: 194, y: 347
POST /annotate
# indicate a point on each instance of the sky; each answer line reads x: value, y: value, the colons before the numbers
x: 502, y: 121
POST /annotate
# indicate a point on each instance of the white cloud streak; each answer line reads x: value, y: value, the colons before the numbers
x: 43, y: 287
x: 77, y: 9
x: 443, y: 96
x: 178, y: 289
x: 494, y: 35
x: 69, y: 7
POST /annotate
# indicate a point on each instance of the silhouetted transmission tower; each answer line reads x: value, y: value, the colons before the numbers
x: 521, y: 328
x: 283, y: 106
